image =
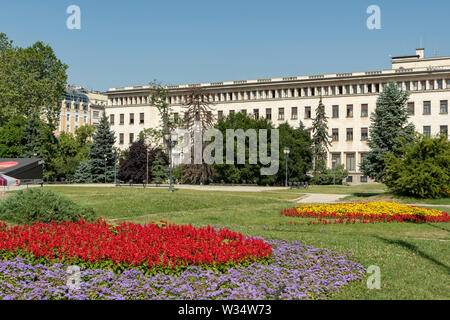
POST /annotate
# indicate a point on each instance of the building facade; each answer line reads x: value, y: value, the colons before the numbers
x: 80, y: 107
x: 349, y: 99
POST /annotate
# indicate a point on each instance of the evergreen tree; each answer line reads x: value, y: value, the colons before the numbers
x: 83, y: 173
x: 320, y: 138
x: 159, y: 168
x: 102, y: 145
x: 133, y: 164
x: 389, y: 130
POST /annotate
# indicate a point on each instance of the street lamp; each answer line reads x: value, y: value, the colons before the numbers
x: 181, y: 166
x: 170, y: 144
x: 334, y: 175
x: 106, y: 157
x: 286, y: 152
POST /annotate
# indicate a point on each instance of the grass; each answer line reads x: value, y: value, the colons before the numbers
x: 413, y: 258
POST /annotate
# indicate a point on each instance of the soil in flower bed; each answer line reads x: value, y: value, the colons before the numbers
x: 372, y: 212
x: 297, y: 271
x: 151, y: 248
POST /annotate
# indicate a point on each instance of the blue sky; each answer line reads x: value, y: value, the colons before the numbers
x: 133, y: 42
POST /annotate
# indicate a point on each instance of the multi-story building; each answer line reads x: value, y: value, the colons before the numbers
x: 349, y: 99
x: 80, y: 107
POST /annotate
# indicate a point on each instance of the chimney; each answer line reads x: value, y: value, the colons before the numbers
x: 421, y: 53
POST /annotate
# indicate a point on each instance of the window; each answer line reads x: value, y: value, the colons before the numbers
x: 341, y: 90
x: 335, y: 158
x: 448, y: 83
x: 408, y: 85
x: 411, y: 108
x: 243, y: 111
x: 427, y: 107
x: 444, y: 130
x: 350, y: 134
x: 440, y: 85
x: 347, y: 89
x: 141, y: 118
x: 364, y: 134
x: 294, y: 113
x: 131, y: 118
x: 85, y: 107
x: 68, y: 128
x: 362, y: 88
x: 131, y: 138
x: 355, y: 89
x: 85, y: 120
x: 349, y: 179
x: 377, y: 87
x: 122, y: 118
x: 369, y: 88
x: 416, y: 85
x: 424, y: 85
x: 121, y: 138
x: 269, y: 114
x: 333, y: 90
x: 349, y: 111
x: 364, y: 110
x: 427, y: 131
x: 256, y: 114
x: 220, y: 114
x: 96, y: 114
x: 335, y: 134
x: 307, y: 112
x: 335, y: 111
x: 350, y: 162
x: 363, y: 179
x: 176, y: 117
x: 280, y: 113
x: 400, y: 85
x: 444, y: 107
x: 431, y: 84
x: 231, y: 112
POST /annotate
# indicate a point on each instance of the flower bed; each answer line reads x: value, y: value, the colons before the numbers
x: 297, y: 271
x: 372, y: 212
x: 150, y: 248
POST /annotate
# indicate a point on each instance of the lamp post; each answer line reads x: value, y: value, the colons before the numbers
x: 170, y: 144
x: 106, y: 157
x: 334, y: 176
x: 286, y: 152
x: 181, y: 166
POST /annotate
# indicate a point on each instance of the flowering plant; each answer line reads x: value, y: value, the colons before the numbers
x: 151, y: 248
x: 371, y: 212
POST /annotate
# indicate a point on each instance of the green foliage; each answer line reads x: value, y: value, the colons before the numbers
x: 32, y: 81
x: 422, y: 170
x: 327, y: 177
x: 83, y: 173
x: 159, y: 168
x: 389, y: 130
x: 12, y: 137
x: 320, y: 139
x: 103, y: 144
x: 41, y: 205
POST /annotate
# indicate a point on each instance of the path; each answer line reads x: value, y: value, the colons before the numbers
x: 321, y: 198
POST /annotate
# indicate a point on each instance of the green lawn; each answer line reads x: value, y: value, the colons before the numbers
x: 414, y: 258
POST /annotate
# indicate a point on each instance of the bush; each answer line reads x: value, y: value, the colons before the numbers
x: 328, y: 178
x: 41, y: 205
x: 421, y: 169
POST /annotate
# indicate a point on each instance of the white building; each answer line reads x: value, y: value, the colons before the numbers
x: 349, y: 99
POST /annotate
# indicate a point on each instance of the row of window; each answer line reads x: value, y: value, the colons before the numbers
x: 349, y: 111
x: 349, y: 134
x: 443, y: 130
x: 369, y: 88
x: 122, y: 138
x: 131, y: 118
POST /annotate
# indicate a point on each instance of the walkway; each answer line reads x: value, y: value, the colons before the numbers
x: 320, y: 198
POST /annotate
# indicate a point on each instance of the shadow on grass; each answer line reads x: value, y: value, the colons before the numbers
x: 366, y: 194
x: 412, y: 248
x: 437, y: 227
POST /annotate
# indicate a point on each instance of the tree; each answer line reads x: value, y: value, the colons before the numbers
x: 159, y: 168
x: 12, y: 137
x: 133, y: 165
x: 239, y: 172
x: 421, y: 169
x: 102, y: 145
x: 300, y: 157
x: 32, y: 81
x: 83, y: 173
x: 389, y: 130
x: 320, y: 139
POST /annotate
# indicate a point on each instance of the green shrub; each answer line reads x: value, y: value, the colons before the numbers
x: 328, y: 178
x: 421, y: 169
x: 41, y: 205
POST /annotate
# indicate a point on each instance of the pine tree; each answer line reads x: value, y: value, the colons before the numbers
x: 320, y: 138
x: 83, y: 173
x: 159, y: 168
x: 103, y: 143
x: 389, y: 130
